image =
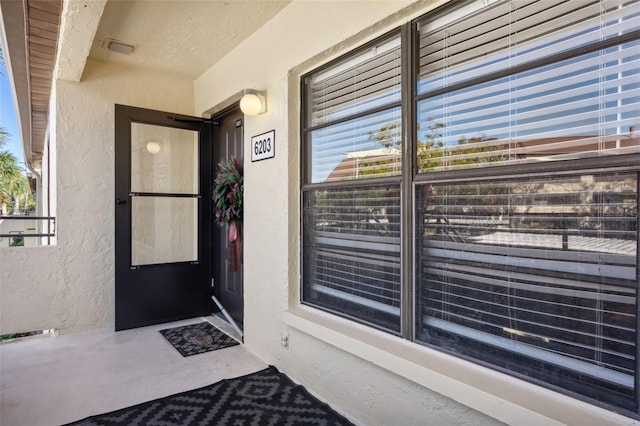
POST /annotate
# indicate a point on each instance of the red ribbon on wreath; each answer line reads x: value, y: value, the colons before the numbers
x: 236, y: 244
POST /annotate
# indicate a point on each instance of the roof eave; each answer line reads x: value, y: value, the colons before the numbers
x: 13, y: 17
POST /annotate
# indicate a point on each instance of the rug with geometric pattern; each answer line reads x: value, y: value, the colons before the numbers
x: 267, y: 397
x: 197, y: 338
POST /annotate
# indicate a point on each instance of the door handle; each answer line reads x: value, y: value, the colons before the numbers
x: 119, y: 201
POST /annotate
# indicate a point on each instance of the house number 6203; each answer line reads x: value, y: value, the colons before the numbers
x: 264, y: 146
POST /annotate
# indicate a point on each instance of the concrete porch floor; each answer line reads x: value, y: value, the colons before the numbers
x: 47, y: 380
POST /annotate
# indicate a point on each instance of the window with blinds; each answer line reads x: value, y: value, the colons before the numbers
x: 352, y: 252
x: 353, y: 120
x: 528, y: 81
x: 351, y: 230
x: 522, y: 183
x: 536, y: 275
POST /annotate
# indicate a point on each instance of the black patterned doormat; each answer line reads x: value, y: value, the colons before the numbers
x: 267, y: 397
x: 197, y: 338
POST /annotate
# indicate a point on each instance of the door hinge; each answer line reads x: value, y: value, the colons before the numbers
x: 213, y: 282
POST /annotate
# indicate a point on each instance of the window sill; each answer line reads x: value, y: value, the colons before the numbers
x: 495, y: 394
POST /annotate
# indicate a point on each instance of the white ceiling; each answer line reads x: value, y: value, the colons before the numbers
x: 181, y: 37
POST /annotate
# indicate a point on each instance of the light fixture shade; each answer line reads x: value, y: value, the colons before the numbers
x: 253, y: 102
x: 153, y: 147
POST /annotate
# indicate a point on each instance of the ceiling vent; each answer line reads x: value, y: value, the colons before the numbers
x: 119, y: 47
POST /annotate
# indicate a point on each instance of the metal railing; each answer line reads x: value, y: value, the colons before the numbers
x: 17, y: 236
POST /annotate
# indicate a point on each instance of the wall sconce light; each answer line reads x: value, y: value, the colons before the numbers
x: 253, y: 102
x: 153, y: 147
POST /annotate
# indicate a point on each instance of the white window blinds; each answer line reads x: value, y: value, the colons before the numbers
x: 353, y: 116
x: 536, y: 274
x: 360, y: 82
x: 495, y: 86
x: 353, y: 131
x: 352, y: 252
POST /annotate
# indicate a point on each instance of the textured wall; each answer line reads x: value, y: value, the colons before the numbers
x: 70, y: 286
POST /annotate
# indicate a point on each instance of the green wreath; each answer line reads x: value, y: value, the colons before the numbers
x: 227, y: 192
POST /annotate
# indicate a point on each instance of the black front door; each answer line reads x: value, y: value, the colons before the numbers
x: 162, y: 217
x: 228, y: 279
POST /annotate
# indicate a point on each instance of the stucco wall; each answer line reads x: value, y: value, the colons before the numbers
x: 70, y: 286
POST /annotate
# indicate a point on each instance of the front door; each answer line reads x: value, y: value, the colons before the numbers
x: 228, y: 287
x: 162, y: 217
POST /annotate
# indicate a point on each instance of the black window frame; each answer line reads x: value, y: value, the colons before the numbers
x: 411, y: 178
x: 308, y: 186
